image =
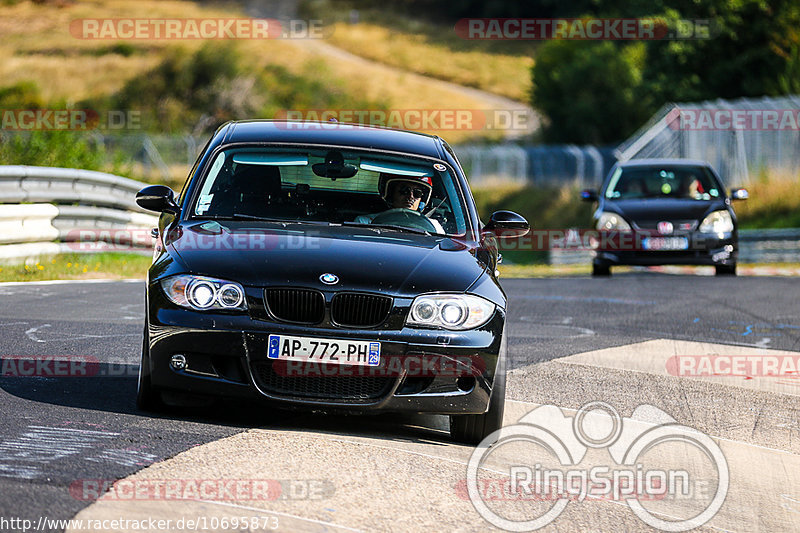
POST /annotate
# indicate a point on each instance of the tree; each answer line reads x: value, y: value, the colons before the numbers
x: 589, y: 91
x: 752, y: 51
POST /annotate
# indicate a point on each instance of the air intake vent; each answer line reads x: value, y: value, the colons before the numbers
x: 360, y: 310
x: 331, y: 388
x: 302, y: 306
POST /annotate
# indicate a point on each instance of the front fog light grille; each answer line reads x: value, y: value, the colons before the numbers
x: 332, y: 388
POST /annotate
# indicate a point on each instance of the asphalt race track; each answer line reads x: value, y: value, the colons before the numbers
x: 571, y: 341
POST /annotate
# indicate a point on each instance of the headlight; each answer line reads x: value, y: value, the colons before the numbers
x: 612, y: 221
x: 198, y: 292
x: 717, y: 222
x: 450, y: 311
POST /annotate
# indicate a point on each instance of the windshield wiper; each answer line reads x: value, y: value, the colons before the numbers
x: 243, y: 216
x: 418, y: 231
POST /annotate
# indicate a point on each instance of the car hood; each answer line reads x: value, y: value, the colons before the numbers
x: 259, y: 254
x: 656, y: 209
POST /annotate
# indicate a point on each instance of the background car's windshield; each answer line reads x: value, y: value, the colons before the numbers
x: 304, y: 185
x: 685, y: 182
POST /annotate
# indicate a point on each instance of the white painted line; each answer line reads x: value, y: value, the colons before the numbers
x: 31, y: 332
x: 66, y: 281
x: 652, y: 425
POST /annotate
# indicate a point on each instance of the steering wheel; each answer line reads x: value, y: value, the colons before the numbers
x: 408, y: 218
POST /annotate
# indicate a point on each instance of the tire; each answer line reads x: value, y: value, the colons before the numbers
x: 725, y: 270
x: 600, y: 270
x: 148, y: 398
x: 472, y: 429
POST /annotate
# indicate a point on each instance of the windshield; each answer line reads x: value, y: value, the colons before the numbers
x: 685, y: 182
x: 333, y: 187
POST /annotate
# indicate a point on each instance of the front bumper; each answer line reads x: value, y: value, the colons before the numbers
x: 703, y: 249
x: 226, y: 356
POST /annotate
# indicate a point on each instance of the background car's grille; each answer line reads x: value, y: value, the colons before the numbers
x: 345, y: 388
x: 678, y: 225
x: 360, y: 310
x: 306, y: 306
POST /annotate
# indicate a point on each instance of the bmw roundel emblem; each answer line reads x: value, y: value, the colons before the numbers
x: 329, y: 279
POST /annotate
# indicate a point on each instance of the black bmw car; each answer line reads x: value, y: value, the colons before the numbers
x: 664, y: 212
x: 330, y: 267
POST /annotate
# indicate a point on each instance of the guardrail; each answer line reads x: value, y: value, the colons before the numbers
x: 755, y: 246
x: 48, y: 210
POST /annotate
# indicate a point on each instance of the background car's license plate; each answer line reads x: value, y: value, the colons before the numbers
x: 665, y: 243
x: 344, y: 352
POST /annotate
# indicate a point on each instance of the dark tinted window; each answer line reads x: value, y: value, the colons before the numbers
x: 695, y: 183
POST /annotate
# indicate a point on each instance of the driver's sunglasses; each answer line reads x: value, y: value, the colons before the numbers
x: 416, y: 192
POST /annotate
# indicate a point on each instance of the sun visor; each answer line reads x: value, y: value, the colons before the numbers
x: 270, y: 159
x: 396, y: 168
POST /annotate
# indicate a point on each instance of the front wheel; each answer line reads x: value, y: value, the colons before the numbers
x: 148, y: 398
x: 472, y: 429
x: 600, y: 270
x: 725, y: 270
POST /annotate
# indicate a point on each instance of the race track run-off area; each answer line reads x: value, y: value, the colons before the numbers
x: 682, y: 390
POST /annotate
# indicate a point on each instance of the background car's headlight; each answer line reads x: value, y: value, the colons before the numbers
x: 612, y: 221
x: 717, y: 222
x: 450, y: 311
x: 199, y: 292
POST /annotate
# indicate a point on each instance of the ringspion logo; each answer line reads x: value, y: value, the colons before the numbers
x: 543, y: 463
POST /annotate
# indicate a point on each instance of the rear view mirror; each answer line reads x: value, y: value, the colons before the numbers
x: 159, y: 198
x: 507, y: 225
x: 334, y: 167
x: 739, y: 194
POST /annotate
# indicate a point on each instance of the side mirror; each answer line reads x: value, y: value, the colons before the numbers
x: 739, y: 194
x: 158, y: 198
x: 507, y: 225
x: 589, y: 195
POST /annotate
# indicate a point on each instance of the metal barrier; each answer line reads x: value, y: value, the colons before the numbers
x: 741, y: 138
x: 74, y: 211
x: 535, y: 164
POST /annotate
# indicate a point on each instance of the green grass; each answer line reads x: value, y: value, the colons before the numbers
x: 382, y: 34
x: 773, y: 203
x: 551, y: 271
x: 79, y: 266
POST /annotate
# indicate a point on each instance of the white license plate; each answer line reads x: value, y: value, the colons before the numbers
x: 665, y: 243
x: 336, y: 351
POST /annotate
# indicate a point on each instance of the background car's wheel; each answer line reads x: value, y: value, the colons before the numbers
x: 472, y: 429
x: 725, y: 270
x: 148, y: 398
x: 600, y: 270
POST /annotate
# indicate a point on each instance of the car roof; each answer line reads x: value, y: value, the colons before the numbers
x: 331, y: 133
x: 663, y: 162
